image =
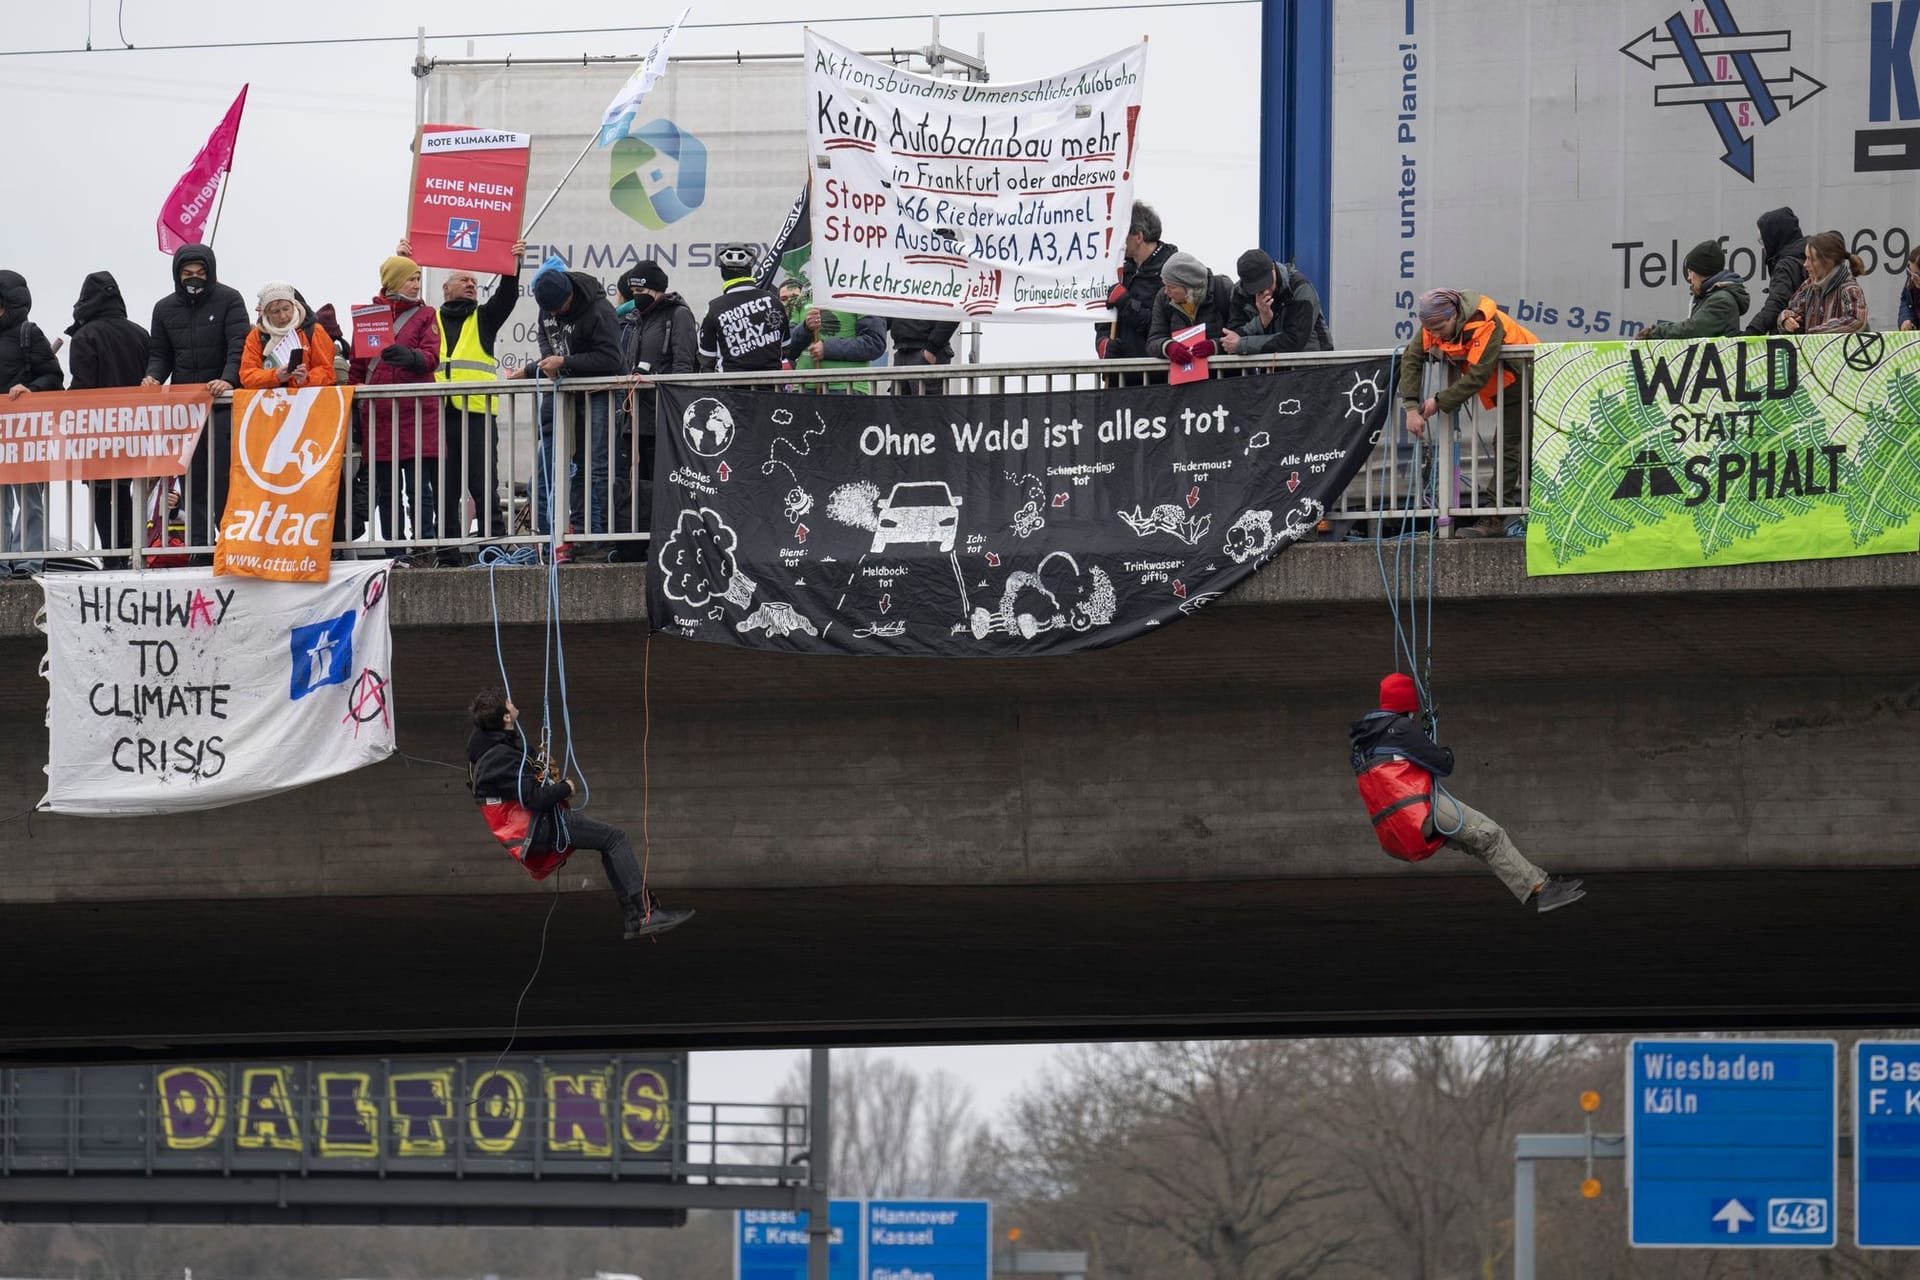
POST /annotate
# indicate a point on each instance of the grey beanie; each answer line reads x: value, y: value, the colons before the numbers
x: 1185, y: 269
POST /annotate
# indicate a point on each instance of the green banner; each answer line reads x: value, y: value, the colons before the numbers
x: 1672, y: 455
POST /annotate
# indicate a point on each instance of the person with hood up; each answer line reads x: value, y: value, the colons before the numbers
x: 1396, y: 764
x: 1191, y: 295
x: 197, y: 333
x: 288, y: 348
x: 109, y: 350
x: 1719, y: 298
x: 1275, y: 310
x: 657, y: 336
x: 402, y: 436
x: 1830, y: 300
x: 527, y: 813
x: 26, y: 365
x: 579, y: 337
x: 745, y: 329
x: 1145, y: 259
x: 1782, y: 253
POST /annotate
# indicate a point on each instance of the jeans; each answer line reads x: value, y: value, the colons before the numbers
x: 467, y: 447
x: 597, y: 471
x: 23, y: 524
x: 616, y: 855
x: 1475, y: 833
x: 112, y: 503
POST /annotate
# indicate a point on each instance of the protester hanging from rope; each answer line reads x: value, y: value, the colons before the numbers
x: 526, y: 809
x: 1469, y: 333
x: 1397, y: 763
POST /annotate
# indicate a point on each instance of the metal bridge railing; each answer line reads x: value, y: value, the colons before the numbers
x: 576, y: 456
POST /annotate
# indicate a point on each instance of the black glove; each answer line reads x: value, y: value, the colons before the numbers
x: 406, y: 357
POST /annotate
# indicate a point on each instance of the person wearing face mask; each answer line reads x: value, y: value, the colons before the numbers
x: 287, y: 348
x: 468, y: 330
x: 197, y: 334
x: 658, y: 335
x: 403, y: 436
x: 109, y: 350
x: 1190, y: 295
x: 26, y: 366
x: 1830, y: 300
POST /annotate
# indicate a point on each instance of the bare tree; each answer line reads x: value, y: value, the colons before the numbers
x: 897, y: 1132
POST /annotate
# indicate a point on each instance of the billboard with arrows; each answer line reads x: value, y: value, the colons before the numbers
x: 1566, y: 167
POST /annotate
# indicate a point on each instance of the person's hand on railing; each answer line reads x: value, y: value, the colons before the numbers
x: 219, y: 386
x: 1230, y: 342
x: 148, y: 380
x: 1789, y: 322
x: 17, y: 390
x: 1416, y: 422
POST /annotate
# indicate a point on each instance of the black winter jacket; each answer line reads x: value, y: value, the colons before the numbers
x: 911, y: 337
x: 1213, y: 311
x: 26, y: 357
x: 1135, y: 312
x: 1783, y: 249
x: 1299, y: 324
x: 1382, y: 733
x: 744, y: 331
x: 493, y: 312
x: 498, y: 768
x: 109, y: 350
x: 197, y: 339
x: 661, y: 339
x: 588, y: 335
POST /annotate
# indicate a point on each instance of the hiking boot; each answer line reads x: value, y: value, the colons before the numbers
x: 1484, y: 527
x: 1557, y: 892
x: 657, y: 920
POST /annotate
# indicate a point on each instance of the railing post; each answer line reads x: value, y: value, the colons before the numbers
x: 560, y: 466
x: 820, y: 1162
x: 1445, y: 471
x: 1522, y: 1218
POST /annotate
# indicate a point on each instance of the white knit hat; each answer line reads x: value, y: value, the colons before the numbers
x: 276, y: 291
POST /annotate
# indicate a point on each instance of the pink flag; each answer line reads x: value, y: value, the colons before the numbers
x: 183, y: 218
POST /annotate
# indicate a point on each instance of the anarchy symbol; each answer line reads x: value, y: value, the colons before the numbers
x: 367, y: 701
x: 1865, y: 351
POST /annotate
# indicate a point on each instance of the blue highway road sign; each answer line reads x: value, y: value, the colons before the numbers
x: 1731, y: 1143
x: 771, y: 1244
x: 1886, y: 1144
x: 929, y: 1240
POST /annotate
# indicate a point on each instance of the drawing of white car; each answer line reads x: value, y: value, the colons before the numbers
x: 918, y: 511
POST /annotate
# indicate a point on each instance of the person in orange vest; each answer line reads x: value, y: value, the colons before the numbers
x: 1468, y: 332
x: 1396, y: 764
x: 528, y: 815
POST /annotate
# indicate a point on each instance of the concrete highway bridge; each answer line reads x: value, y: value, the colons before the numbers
x: 1160, y: 838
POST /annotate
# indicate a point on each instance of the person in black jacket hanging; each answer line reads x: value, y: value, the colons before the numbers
x: 1396, y: 764
x: 657, y: 336
x: 1274, y: 310
x: 27, y: 365
x: 579, y: 337
x: 529, y: 816
x: 468, y: 328
x: 109, y: 350
x: 197, y: 334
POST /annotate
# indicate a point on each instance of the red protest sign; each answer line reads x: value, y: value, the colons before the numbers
x: 372, y: 329
x: 469, y: 193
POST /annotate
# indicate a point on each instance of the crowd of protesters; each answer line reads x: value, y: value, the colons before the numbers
x: 425, y: 468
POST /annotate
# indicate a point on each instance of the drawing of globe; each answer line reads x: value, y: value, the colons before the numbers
x: 708, y: 426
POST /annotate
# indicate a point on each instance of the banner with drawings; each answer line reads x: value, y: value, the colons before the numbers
x: 179, y: 691
x: 943, y: 199
x: 993, y: 525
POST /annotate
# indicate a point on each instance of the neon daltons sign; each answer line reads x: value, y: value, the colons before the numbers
x: 578, y: 1108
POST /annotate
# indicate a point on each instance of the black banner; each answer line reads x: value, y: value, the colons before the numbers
x: 989, y: 525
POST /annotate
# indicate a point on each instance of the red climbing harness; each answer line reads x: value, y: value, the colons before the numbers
x: 1399, y: 798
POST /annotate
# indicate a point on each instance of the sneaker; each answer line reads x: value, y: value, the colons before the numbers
x: 658, y: 920
x: 563, y: 554
x: 1557, y: 892
x: 1484, y: 527
x: 1517, y: 527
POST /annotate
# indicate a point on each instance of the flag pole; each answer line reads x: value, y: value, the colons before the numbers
x: 220, y: 202
x: 546, y: 204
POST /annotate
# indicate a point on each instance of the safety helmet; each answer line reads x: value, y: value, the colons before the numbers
x: 734, y: 259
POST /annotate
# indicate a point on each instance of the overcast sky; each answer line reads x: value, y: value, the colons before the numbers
x: 319, y: 187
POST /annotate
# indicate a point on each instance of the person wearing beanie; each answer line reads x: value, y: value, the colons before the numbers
x: 1275, y: 310
x: 1466, y: 333
x: 27, y: 365
x: 579, y: 337
x: 109, y: 350
x: 1783, y: 258
x: 1146, y: 256
x: 1190, y: 294
x: 1719, y: 298
x: 288, y: 348
x: 468, y: 431
x: 197, y: 334
x: 401, y: 446
x: 745, y: 328
x: 657, y: 336
x: 1396, y: 764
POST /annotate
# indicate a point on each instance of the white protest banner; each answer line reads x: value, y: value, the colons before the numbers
x: 941, y: 199
x: 169, y: 692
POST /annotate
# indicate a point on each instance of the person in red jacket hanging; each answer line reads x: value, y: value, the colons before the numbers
x: 528, y: 815
x: 1396, y: 764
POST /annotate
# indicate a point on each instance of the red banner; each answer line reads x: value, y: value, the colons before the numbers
x: 469, y: 193
x: 101, y: 435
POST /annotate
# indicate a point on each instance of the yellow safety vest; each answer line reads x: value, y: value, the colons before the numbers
x: 468, y: 362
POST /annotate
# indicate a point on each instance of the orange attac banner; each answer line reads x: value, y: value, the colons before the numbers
x: 469, y: 191
x: 101, y: 435
x: 287, y: 449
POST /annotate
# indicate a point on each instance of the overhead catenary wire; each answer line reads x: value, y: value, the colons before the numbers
x: 310, y: 41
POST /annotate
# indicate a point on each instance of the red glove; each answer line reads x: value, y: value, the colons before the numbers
x: 1116, y: 296
x: 1101, y: 347
x: 1202, y: 349
x: 1179, y: 352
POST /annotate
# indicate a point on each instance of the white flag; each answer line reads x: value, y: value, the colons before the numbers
x: 626, y: 103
